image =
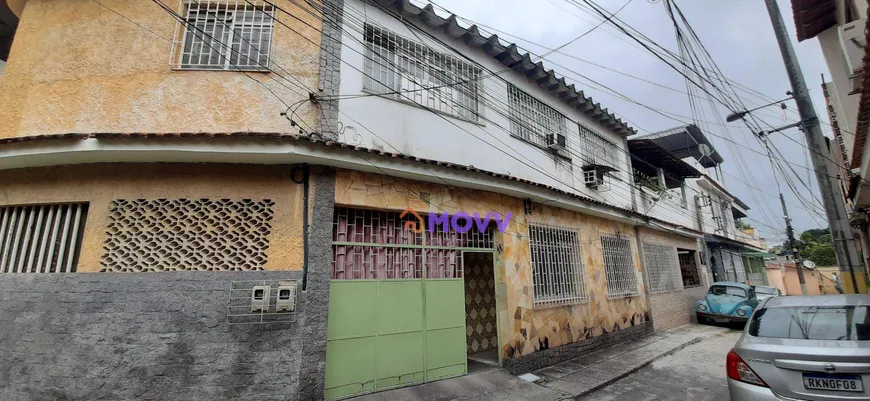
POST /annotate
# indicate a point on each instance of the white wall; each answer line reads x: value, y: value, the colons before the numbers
x: 845, y: 105
x: 400, y: 127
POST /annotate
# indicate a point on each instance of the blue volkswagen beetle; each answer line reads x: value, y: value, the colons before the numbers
x: 725, y: 302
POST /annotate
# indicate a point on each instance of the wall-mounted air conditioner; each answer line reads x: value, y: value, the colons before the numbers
x: 557, y: 144
x: 852, y: 42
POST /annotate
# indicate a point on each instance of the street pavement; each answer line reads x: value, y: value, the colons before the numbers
x: 695, y: 373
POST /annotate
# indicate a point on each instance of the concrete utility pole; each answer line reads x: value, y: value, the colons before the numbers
x: 844, y: 241
x: 792, y: 244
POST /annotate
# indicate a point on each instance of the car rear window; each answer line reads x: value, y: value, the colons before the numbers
x: 812, y: 323
x: 765, y: 290
x: 726, y: 290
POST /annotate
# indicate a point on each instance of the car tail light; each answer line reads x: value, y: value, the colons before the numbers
x: 738, y: 370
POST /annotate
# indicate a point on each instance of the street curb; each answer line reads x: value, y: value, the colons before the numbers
x: 605, y: 383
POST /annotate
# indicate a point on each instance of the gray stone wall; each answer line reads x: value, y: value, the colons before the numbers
x: 330, y: 67
x: 148, y: 336
x: 540, y: 359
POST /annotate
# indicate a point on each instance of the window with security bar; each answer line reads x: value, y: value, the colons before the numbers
x: 383, y: 245
x: 535, y: 121
x: 409, y: 71
x: 41, y: 238
x: 557, y: 268
x: 689, y: 268
x: 223, y: 35
x: 662, y: 267
x: 619, y: 267
x: 598, y: 150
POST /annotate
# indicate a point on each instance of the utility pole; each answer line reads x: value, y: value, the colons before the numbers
x: 792, y: 244
x: 844, y: 241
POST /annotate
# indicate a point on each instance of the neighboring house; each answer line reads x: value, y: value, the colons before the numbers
x: 784, y: 276
x: 254, y: 201
x: 704, y: 200
x: 840, y: 26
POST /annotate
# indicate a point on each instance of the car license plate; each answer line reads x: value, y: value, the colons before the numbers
x: 720, y: 319
x: 815, y: 381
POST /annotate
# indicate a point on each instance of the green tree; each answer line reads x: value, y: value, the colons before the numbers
x: 818, y: 247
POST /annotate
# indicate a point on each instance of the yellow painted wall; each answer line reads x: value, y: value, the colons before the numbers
x: 77, y: 67
x: 522, y: 327
x: 101, y: 183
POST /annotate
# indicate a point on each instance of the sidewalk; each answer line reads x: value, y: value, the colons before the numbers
x: 563, y: 381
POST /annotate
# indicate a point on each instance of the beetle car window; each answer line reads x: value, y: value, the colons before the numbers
x: 725, y: 290
x: 813, y: 323
x: 765, y: 290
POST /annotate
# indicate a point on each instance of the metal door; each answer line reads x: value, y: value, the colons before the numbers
x: 396, y: 304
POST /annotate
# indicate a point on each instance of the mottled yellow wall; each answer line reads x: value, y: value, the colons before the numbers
x: 77, y: 67
x: 101, y: 183
x: 523, y: 328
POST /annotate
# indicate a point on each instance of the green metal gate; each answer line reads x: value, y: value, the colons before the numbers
x: 396, y: 304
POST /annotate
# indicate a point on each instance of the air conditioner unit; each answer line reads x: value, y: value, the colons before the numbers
x: 852, y: 42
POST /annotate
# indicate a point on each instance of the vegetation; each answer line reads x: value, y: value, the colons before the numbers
x: 817, y: 245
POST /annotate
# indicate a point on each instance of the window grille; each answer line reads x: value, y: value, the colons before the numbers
x: 723, y: 217
x: 147, y: 235
x: 662, y: 267
x: 41, y: 238
x: 619, y: 267
x: 598, y: 150
x: 688, y: 268
x: 534, y: 121
x: 557, y: 268
x: 224, y: 35
x: 378, y: 245
x: 405, y: 70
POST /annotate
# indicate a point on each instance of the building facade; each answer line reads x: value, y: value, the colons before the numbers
x: 840, y: 27
x: 315, y: 200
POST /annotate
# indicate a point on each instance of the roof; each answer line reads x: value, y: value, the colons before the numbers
x: 329, y: 143
x: 686, y: 141
x: 732, y: 284
x: 653, y: 154
x: 763, y: 255
x: 724, y: 190
x: 509, y: 55
x: 812, y: 17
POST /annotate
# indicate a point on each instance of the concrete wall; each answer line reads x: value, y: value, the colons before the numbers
x: 150, y: 336
x: 100, y: 184
x: 399, y: 126
x: 78, y: 67
x: 523, y: 329
x: 784, y: 276
x: 675, y: 308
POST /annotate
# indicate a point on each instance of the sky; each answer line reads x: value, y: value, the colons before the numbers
x: 738, y: 35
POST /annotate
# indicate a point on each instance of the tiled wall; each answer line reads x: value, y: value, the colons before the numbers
x: 481, y: 325
x: 524, y: 329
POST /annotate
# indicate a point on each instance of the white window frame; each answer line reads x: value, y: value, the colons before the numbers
x: 41, y: 238
x: 558, y: 274
x: 226, y: 44
x: 534, y: 121
x: 619, y: 266
x: 662, y: 265
x: 404, y: 70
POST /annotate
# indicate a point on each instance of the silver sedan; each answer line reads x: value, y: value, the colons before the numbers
x: 803, y: 348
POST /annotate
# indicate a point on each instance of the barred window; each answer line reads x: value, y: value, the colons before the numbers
x: 224, y: 35
x: 557, y: 268
x: 406, y: 70
x: 619, y: 267
x: 41, y: 238
x: 534, y: 121
x: 598, y: 150
x: 688, y: 268
x: 662, y: 267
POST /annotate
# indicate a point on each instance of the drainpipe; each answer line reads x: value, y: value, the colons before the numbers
x: 643, y: 271
x: 306, y: 184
